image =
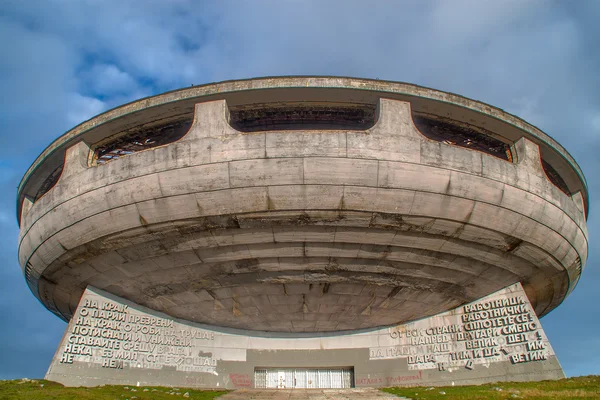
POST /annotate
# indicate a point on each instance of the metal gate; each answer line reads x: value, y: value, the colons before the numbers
x: 304, y: 378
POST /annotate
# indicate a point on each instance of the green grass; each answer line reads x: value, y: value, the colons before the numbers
x: 46, y: 390
x: 585, y: 387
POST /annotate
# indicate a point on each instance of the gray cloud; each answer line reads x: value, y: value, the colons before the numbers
x: 68, y: 60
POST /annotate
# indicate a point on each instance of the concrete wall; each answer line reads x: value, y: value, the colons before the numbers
x: 113, y: 341
x: 175, y: 104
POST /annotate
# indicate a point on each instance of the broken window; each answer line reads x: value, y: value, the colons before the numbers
x: 141, y: 138
x: 49, y: 183
x: 455, y: 133
x: 307, y: 115
x: 555, y: 178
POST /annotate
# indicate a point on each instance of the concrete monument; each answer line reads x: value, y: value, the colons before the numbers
x: 303, y: 232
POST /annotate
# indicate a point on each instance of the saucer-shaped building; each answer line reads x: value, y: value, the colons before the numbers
x: 297, y: 208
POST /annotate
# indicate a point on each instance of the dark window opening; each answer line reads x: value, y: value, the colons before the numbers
x: 49, y: 182
x: 142, y: 138
x: 555, y: 178
x: 293, y: 116
x: 454, y: 133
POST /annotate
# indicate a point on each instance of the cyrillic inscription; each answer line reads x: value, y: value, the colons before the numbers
x: 504, y: 328
x: 114, y: 336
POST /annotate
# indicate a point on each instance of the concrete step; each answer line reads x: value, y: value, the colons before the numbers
x: 308, y: 394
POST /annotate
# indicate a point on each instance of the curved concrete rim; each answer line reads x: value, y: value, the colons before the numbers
x: 308, y: 81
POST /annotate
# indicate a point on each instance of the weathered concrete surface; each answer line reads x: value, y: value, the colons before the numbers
x: 303, y: 231
x: 308, y: 88
x: 113, y: 341
x: 308, y: 394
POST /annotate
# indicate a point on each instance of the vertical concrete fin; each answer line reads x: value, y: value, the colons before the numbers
x: 25, y: 207
x: 76, y: 159
x: 392, y: 138
x: 211, y: 120
x: 528, y: 155
x: 394, y: 116
x: 577, y: 198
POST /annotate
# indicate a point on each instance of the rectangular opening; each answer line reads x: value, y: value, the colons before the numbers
x: 302, y: 116
x: 304, y: 378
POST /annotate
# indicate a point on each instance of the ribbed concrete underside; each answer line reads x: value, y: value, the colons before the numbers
x: 324, y: 272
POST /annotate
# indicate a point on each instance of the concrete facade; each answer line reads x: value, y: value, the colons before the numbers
x: 305, y: 229
x: 112, y: 341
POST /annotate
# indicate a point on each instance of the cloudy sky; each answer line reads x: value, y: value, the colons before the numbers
x: 64, y: 61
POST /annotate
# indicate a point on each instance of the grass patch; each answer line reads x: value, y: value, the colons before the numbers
x: 26, y: 389
x: 585, y: 387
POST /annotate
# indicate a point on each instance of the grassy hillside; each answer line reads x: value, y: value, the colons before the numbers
x: 585, y: 387
x: 46, y: 390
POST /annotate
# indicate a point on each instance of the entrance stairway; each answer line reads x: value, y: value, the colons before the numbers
x: 308, y: 394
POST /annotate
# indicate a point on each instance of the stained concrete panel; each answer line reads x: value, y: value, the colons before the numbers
x: 113, y: 341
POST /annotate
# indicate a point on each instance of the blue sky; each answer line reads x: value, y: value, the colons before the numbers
x: 65, y: 61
